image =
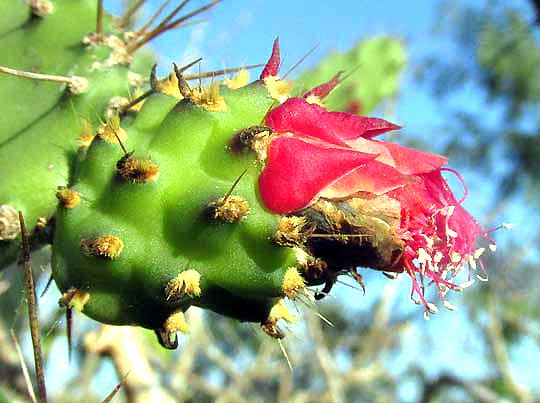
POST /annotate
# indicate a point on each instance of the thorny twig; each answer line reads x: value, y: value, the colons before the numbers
x: 24, y: 367
x: 479, y: 392
x: 334, y: 383
x: 99, y: 18
x: 33, y: 312
x: 497, y: 344
x: 122, y: 345
x: 10, y: 368
x: 38, y: 76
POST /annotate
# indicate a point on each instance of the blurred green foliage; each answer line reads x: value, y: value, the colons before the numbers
x: 373, y: 69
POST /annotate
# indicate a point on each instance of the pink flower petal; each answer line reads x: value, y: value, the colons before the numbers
x: 373, y: 147
x: 406, y: 160
x: 298, y: 170
x: 272, y: 66
x: 410, y: 161
x: 350, y: 127
x: 374, y: 177
x: 324, y: 89
x: 430, y: 194
x: 300, y: 117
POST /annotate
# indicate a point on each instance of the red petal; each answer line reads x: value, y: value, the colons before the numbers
x: 350, y: 127
x: 375, y: 177
x: 297, y: 116
x: 300, y: 117
x: 410, y: 161
x: 429, y: 195
x: 298, y: 170
x: 373, y: 147
x: 272, y: 66
x: 323, y: 90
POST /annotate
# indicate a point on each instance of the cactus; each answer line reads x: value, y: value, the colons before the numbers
x: 38, y: 147
x: 155, y: 228
x: 231, y: 197
x: 88, y: 69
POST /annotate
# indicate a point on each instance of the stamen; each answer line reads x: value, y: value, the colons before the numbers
x: 460, y: 178
x: 478, y: 252
x: 466, y: 284
x: 472, y: 262
x: 433, y: 308
x: 449, y: 306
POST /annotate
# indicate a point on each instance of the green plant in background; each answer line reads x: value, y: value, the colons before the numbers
x: 373, y: 66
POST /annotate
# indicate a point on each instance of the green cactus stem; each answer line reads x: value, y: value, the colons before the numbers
x: 66, y: 68
x: 169, y: 216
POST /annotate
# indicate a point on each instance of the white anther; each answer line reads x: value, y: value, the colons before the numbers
x: 449, y: 306
x: 478, y: 252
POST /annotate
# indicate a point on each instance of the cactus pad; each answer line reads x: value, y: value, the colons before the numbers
x: 158, y: 228
x: 39, y: 146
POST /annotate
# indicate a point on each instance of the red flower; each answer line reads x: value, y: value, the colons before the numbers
x: 314, y: 153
